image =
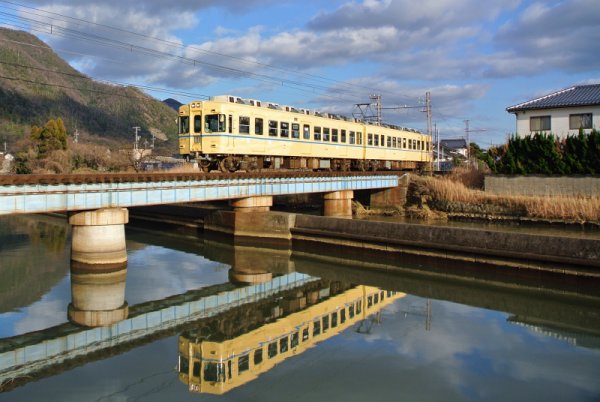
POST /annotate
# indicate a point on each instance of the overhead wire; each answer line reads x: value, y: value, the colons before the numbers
x: 176, y: 44
x: 132, y: 47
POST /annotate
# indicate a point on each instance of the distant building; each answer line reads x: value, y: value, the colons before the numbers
x: 560, y: 113
x: 455, y: 146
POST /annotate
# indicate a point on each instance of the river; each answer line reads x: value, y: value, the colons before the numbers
x: 422, y: 333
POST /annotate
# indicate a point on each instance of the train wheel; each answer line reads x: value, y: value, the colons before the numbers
x: 229, y: 164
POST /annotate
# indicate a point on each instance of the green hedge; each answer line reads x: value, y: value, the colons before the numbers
x: 542, y: 153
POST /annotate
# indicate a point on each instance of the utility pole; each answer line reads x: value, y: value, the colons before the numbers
x: 137, y: 137
x: 428, y: 111
x: 467, y: 133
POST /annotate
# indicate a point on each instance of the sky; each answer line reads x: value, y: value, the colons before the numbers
x: 475, y: 57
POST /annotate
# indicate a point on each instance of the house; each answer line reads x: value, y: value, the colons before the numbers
x: 455, y: 146
x: 560, y: 113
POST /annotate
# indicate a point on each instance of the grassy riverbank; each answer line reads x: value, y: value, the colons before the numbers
x: 460, y: 193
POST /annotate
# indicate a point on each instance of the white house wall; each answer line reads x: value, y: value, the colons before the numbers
x: 559, y: 120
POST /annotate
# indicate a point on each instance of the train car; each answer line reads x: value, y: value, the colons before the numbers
x: 216, y: 367
x: 229, y: 133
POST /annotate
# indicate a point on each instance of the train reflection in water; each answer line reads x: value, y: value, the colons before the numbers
x: 214, y: 360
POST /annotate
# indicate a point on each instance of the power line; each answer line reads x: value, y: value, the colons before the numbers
x: 111, y: 42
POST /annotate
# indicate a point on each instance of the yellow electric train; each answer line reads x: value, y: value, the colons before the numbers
x: 228, y: 133
x: 216, y: 367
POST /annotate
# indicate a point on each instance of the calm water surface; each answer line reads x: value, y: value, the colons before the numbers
x: 423, y: 343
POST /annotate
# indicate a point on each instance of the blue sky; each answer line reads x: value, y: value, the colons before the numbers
x: 475, y: 57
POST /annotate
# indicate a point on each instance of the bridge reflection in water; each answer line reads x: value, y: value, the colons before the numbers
x: 227, y: 352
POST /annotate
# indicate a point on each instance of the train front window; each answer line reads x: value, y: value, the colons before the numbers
x: 214, y: 372
x: 198, y: 124
x: 214, y: 123
x: 184, y: 124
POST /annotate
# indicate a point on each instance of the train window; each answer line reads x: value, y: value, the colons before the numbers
x: 343, y: 315
x: 214, y: 372
x: 214, y: 123
x: 325, y: 323
x: 196, y: 370
x: 334, y: 135
x: 369, y: 301
x: 394, y: 142
x: 359, y: 138
x: 352, y: 137
x: 283, y: 344
x: 258, y: 356
x: 306, y: 132
x: 284, y: 129
x: 295, y: 130
x: 382, y: 295
x: 184, y: 364
x: 229, y: 369
x: 272, y: 350
x: 244, y: 125
x: 334, y: 319
x: 389, y: 141
x: 376, y: 140
x: 382, y: 140
x: 258, y: 126
x: 316, y: 327
x: 243, y: 363
x: 184, y: 124
x: 230, y: 124
x: 325, y: 134
x: 197, y: 123
x: 410, y: 143
x: 351, y: 311
x: 343, y: 139
x: 305, y: 334
x: 294, y: 340
x: 273, y: 125
x: 418, y: 145
x: 404, y: 143
x: 317, y: 136
x: 359, y: 307
x: 376, y: 298
x: 370, y: 139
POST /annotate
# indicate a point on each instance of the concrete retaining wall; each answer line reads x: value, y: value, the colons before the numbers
x: 586, y: 186
x: 525, y: 250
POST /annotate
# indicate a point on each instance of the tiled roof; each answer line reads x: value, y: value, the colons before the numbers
x: 460, y: 143
x: 578, y: 95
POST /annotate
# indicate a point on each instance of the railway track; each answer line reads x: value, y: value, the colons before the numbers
x: 91, y: 178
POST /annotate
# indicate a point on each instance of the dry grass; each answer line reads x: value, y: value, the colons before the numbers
x: 552, y: 208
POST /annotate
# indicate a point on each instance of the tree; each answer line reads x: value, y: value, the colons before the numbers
x: 52, y: 136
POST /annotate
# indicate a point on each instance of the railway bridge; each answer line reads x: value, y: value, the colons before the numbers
x: 97, y: 203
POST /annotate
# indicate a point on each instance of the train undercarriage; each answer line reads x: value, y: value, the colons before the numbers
x: 250, y: 163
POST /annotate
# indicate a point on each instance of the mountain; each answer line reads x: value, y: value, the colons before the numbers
x: 173, y: 104
x: 36, y: 85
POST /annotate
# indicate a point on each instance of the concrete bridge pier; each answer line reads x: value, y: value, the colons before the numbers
x: 99, y: 236
x: 393, y: 197
x: 251, y: 218
x: 97, y: 294
x: 338, y: 204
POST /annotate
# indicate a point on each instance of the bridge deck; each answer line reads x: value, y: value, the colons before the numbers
x: 52, y: 193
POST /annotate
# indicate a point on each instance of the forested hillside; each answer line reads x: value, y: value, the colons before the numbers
x: 37, y: 85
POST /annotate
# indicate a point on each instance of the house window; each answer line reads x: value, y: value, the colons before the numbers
x: 539, y: 123
x: 577, y: 121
